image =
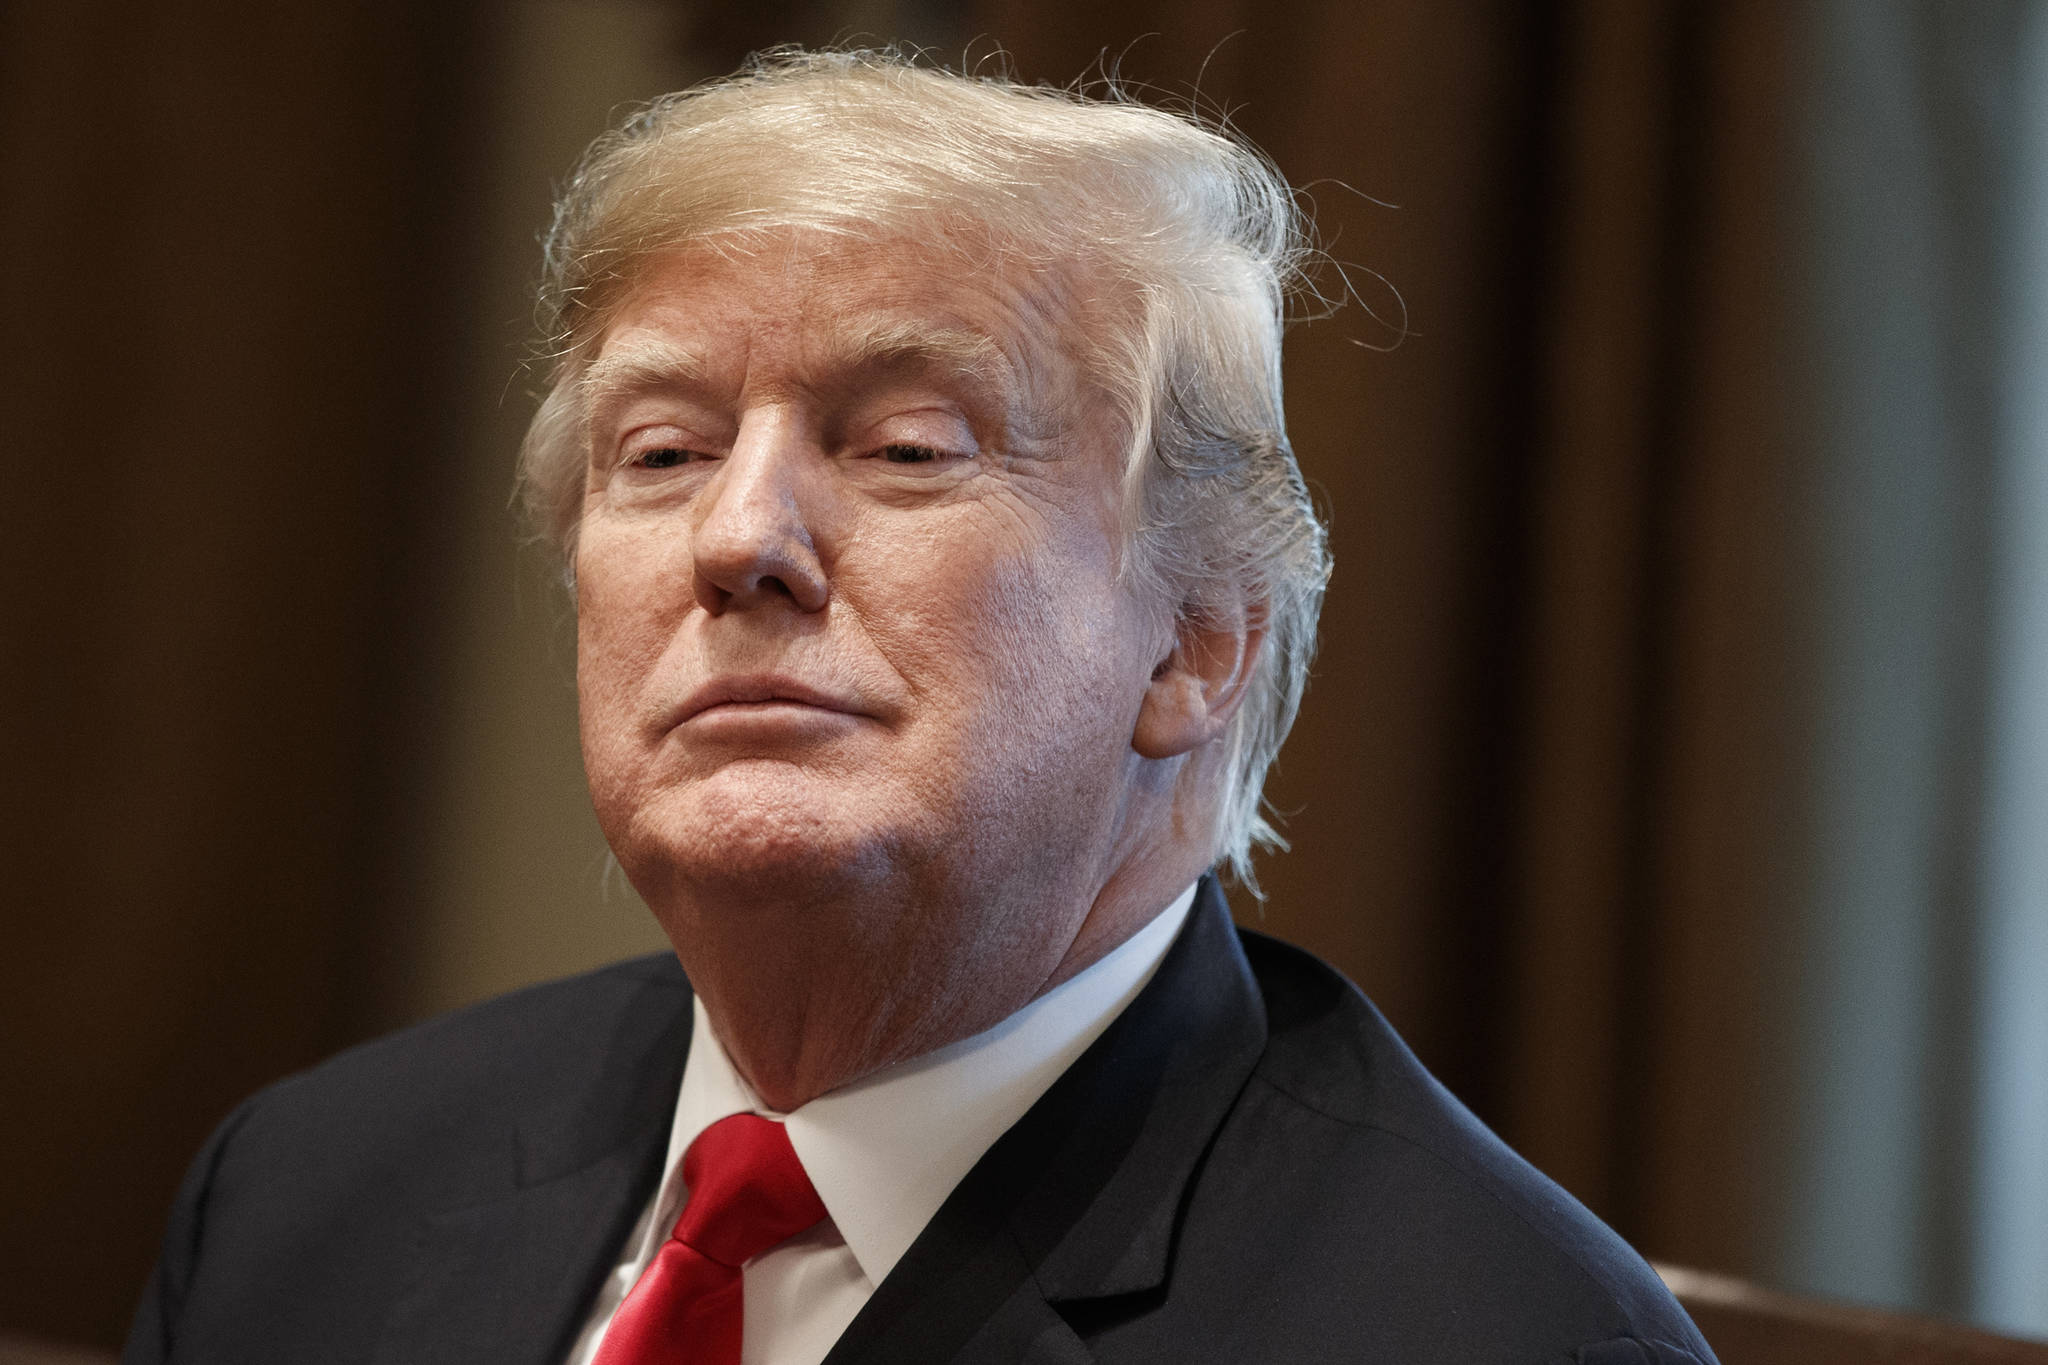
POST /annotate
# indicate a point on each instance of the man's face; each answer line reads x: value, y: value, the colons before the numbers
x: 849, y: 608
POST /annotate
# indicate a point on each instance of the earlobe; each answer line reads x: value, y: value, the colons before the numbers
x: 1198, y: 687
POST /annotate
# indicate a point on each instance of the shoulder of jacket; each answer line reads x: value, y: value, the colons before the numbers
x: 1332, y: 1054
x: 483, y: 1062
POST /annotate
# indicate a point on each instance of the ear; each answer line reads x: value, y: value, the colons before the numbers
x: 1199, y: 685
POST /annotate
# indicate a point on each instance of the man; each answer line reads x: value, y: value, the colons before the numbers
x: 945, y: 586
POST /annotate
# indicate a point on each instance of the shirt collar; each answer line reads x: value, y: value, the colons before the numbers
x: 885, y: 1151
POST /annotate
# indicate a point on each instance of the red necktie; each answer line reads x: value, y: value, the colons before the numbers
x: 748, y: 1192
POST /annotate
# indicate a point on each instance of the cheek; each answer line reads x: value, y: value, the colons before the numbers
x: 1001, y: 637
x: 621, y: 625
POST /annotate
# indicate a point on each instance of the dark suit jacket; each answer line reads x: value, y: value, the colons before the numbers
x: 1247, y: 1166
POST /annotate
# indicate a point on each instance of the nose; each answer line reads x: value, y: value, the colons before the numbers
x: 751, y: 543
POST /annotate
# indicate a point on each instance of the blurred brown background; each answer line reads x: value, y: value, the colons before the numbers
x: 1676, y: 768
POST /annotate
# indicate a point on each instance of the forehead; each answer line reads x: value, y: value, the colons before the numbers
x: 805, y: 312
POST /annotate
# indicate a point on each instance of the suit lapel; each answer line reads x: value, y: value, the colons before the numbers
x: 1071, y: 1215
x: 508, y: 1280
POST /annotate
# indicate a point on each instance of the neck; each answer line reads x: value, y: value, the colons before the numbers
x: 809, y: 994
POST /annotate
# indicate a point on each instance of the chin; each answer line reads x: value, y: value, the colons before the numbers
x: 785, y: 835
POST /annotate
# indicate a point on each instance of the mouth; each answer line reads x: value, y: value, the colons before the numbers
x: 761, y: 692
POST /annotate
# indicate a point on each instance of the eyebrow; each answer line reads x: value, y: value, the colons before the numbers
x: 653, y: 365
x: 900, y: 342
x: 645, y: 366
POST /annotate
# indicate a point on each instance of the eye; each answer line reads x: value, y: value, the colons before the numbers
x: 664, y: 457
x: 911, y: 454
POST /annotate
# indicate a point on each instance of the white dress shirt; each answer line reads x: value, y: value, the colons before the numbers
x: 883, y: 1152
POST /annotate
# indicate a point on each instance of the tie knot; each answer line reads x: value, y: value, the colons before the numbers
x: 748, y: 1191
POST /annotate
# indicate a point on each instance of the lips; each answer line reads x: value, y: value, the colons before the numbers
x: 755, y: 689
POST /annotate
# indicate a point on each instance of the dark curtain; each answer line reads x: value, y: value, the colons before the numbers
x: 226, y: 266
